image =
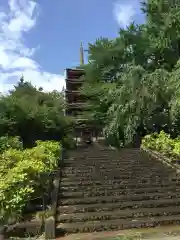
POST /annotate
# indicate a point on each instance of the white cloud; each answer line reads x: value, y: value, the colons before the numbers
x: 124, y: 12
x: 23, y: 63
x: 15, y: 57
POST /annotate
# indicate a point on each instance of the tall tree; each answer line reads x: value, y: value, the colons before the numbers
x: 32, y: 114
x: 135, y: 77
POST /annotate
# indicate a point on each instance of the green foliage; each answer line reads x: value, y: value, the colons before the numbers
x: 132, y: 81
x: 33, y: 114
x: 68, y: 142
x: 7, y: 142
x: 162, y: 143
x: 25, y: 174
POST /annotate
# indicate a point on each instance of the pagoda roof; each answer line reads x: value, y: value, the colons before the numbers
x: 74, y: 80
x: 72, y: 91
x: 75, y: 69
x: 77, y: 105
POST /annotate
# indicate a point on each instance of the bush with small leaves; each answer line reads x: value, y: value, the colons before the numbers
x: 162, y: 143
x: 24, y: 174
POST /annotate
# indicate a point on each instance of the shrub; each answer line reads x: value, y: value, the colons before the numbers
x: 21, y: 175
x: 10, y: 142
x: 163, y: 143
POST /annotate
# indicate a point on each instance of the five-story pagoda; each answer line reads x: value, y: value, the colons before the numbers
x: 76, y: 102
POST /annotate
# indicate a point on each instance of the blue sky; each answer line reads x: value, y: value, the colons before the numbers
x: 41, y: 40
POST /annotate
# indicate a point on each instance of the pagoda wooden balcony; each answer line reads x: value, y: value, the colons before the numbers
x: 77, y: 105
x: 72, y: 92
x: 74, y: 80
x: 75, y: 71
x: 73, y: 86
x: 79, y: 119
x: 72, y: 98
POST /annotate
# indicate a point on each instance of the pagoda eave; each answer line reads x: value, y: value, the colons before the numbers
x: 74, y: 69
x: 73, y: 80
x: 72, y: 92
x: 79, y: 106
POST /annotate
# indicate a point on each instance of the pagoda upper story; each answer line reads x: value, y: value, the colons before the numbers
x: 74, y: 99
x: 76, y: 102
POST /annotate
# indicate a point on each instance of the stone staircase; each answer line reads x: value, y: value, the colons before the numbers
x: 103, y: 189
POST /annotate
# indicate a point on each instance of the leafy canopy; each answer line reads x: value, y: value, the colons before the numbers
x: 33, y: 114
x: 132, y: 81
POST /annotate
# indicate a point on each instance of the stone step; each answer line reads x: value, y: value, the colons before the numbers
x: 99, y: 148
x: 133, y: 167
x: 118, y: 214
x: 99, y: 154
x: 102, y: 189
x: 94, y: 150
x: 106, y: 148
x: 89, y: 156
x: 99, y: 207
x: 113, y: 162
x: 109, y: 164
x: 69, y: 199
x: 122, y: 184
x: 125, y: 179
x: 111, y: 179
x: 116, y: 188
x: 121, y: 174
x: 114, y: 192
x: 100, y: 157
x: 105, y: 152
x: 107, y: 225
x: 112, y: 158
x: 122, y: 170
x: 94, y: 154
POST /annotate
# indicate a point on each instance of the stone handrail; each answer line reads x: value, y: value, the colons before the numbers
x: 162, y: 158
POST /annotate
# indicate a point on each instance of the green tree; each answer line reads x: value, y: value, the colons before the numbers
x: 163, y: 28
x: 33, y: 114
x: 132, y: 80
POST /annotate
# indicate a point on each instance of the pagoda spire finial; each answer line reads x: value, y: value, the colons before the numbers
x: 81, y: 54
